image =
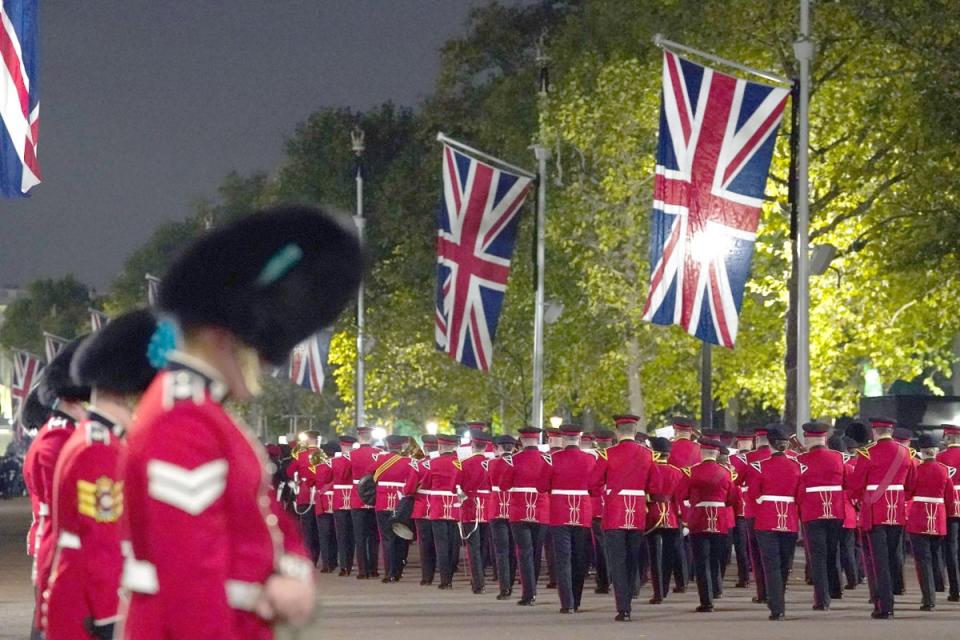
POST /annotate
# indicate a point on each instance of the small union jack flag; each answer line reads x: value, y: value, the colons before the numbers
x: 717, y: 135
x: 52, y: 345
x: 153, y: 290
x: 19, y: 97
x: 26, y: 374
x: 476, y: 232
x: 98, y: 319
x: 309, y: 359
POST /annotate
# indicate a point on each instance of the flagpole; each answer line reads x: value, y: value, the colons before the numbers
x: 357, y: 145
x: 542, y: 154
x: 803, y: 49
x: 442, y: 137
x: 662, y: 42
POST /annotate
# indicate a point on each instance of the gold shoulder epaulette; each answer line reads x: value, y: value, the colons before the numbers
x: 602, y: 453
x: 458, y: 464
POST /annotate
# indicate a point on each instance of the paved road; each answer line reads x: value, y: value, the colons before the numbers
x: 360, y: 610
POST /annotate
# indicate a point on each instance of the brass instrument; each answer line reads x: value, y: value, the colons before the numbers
x: 413, y: 450
x: 317, y: 457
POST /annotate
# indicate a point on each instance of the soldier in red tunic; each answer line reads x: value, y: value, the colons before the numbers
x: 624, y: 475
x: 709, y: 488
x: 363, y: 461
x: 760, y: 452
x: 665, y: 539
x: 421, y: 515
x: 951, y: 544
x: 684, y: 452
x: 882, y: 470
x: 527, y: 483
x: 392, y: 473
x: 603, y: 440
x: 323, y: 507
x: 498, y: 514
x: 342, y: 487
x: 300, y: 472
x: 33, y: 415
x: 773, y: 489
x: 570, y: 516
x: 81, y: 600
x: 476, y: 487
x: 930, y: 491
x: 822, y: 481
x: 56, y: 390
x: 212, y: 555
x: 740, y: 531
x: 442, y: 486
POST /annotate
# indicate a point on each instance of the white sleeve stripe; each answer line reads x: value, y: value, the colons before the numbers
x: 190, y: 479
x: 193, y: 503
x: 189, y: 490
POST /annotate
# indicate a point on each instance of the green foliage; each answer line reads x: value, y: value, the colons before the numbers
x: 57, y: 306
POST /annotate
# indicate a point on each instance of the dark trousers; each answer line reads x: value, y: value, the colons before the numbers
x: 366, y: 540
x: 570, y: 563
x: 883, y: 551
x: 343, y: 525
x: 549, y: 555
x: 708, y: 550
x: 848, y: 556
x: 475, y: 554
x: 623, y: 559
x: 328, y: 541
x: 428, y: 550
x: 446, y: 538
x: 311, y: 535
x: 951, y: 552
x: 776, y: 555
x: 822, y: 544
x: 922, y: 547
x: 936, y: 549
x: 665, y: 546
x: 683, y: 568
x: 506, y: 559
x: 392, y: 549
x: 742, y: 550
x: 642, y: 573
x: 896, y: 571
x: 756, y: 562
x: 600, y: 556
x: 529, y: 540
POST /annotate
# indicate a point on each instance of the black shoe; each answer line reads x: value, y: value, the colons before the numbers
x: 851, y: 586
x: 526, y: 602
x: 758, y: 600
x: 602, y: 590
x: 445, y: 586
x: 343, y: 572
x: 622, y: 616
x: 742, y: 585
x: 375, y: 574
x: 551, y: 585
x: 362, y: 576
x: 480, y: 590
x: 503, y: 595
x: 679, y: 589
x: 777, y: 616
x: 899, y: 592
x: 953, y: 597
x: 821, y: 607
x: 836, y: 596
x: 718, y: 595
x: 927, y: 607
x: 655, y: 600
x: 566, y: 610
x: 426, y: 583
x: 881, y: 615
x: 705, y: 608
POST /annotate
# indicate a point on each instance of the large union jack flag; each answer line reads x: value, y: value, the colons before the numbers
x: 717, y: 135
x: 476, y: 232
x: 308, y: 360
x: 26, y: 374
x: 19, y: 97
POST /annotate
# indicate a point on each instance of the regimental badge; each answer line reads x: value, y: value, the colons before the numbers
x: 101, y: 500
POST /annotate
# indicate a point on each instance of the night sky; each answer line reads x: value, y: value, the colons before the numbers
x: 145, y: 106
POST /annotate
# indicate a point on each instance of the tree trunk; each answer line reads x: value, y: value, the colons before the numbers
x: 634, y: 388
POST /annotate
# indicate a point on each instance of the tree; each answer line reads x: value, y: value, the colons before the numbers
x: 55, y: 305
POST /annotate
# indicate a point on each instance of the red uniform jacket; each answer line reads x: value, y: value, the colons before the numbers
x: 363, y: 460
x: 392, y: 473
x: 570, y: 503
x: 822, y: 480
x: 951, y: 457
x: 748, y: 459
x: 440, y: 485
x: 323, y: 486
x: 710, y: 489
x: 300, y: 471
x: 421, y: 503
x: 476, y: 484
x: 741, y: 468
x: 773, y: 489
x: 47, y: 446
x: 205, y: 532
x: 87, y: 504
x: 36, y: 519
x: 878, y: 480
x: 930, y: 491
x: 625, y: 473
x: 498, y: 503
x: 342, y: 487
x: 684, y: 453
x: 528, y: 481
x: 849, y: 510
x: 666, y: 515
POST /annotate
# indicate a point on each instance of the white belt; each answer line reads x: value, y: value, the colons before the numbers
x: 569, y: 492
x: 686, y: 503
x: 775, y: 499
x: 356, y: 482
x: 243, y: 595
x: 892, y: 487
x: 139, y: 576
x: 433, y: 492
x: 390, y: 484
x: 928, y: 500
x: 711, y: 503
x: 523, y: 490
x: 483, y: 492
x: 328, y: 493
x: 343, y: 487
x: 68, y: 540
x: 631, y: 492
x: 744, y: 488
x: 43, y: 509
x: 498, y: 488
x: 825, y: 488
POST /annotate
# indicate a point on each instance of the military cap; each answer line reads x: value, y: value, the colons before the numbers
x: 478, y: 426
x: 396, y: 442
x: 505, y: 441
x: 603, y: 435
x: 776, y: 434
x: 625, y: 419
x: 710, y: 444
x: 570, y: 430
x: 661, y: 445
x: 883, y: 423
x: 682, y: 423
x: 346, y: 439
x: 927, y: 441
x: 272, y: 278
x: 115, y: 357
x: 480, y: 436
x: 57, y: 383
x: 902, y: 434
x: 529, y: 431
x: 33, y: 413
x: 816, y: 429
x: 447, y: 438
x: 950, y: 429
x: 858, y: 432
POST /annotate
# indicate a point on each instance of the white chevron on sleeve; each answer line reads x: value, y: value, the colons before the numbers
x: 190, y: 490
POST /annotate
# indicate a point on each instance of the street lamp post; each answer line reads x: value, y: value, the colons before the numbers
x: 357, y: 145
x: 803, y: 49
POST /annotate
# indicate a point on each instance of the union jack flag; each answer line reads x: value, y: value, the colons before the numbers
x: 19, y: 98
x: 153, y: 290
x: 717, y: 135
x: 52, y: 345
x: 476, y: 232
x: 308, y: 360
x: 26, y: 374
x: 98, y: 319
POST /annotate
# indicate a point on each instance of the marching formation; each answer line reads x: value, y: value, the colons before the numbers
x: 640, y: 510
